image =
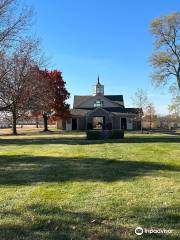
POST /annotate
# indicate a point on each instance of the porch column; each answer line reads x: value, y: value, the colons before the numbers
x: 141, y: 124
x: 77, y: 123
x: 69, y: 124
x: 86, y: 123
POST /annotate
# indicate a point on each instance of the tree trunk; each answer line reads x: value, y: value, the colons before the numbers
x: 178, y: 81
x: 37, y: 123
x: 45, y: 117
x: 14, y: 122
x: 141, y: 125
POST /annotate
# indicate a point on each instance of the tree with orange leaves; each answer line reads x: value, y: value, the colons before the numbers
x: 49, y: 95
x: 60, y: 95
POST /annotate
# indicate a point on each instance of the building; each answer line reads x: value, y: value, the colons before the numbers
x: 100, y: 111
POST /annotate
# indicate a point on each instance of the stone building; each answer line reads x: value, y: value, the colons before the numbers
x: 100, y: 111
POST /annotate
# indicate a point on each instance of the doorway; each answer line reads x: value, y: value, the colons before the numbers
x: 123, y: 123
x: 98, y: 122
x: 74, y: 123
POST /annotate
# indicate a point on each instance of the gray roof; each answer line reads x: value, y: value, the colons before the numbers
x: 134, y: 110
x: 79, y: 99
x: 128, y: 111
x: 124, y: 110
x: 116, y: 111
x: 116, y: 98
x: 79, y: 112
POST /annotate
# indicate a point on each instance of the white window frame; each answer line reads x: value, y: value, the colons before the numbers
x: 98, y: 103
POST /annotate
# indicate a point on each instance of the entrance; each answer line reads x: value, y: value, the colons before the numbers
x: 98, y: 122
x: 123, y: 123
x: 74, y: 123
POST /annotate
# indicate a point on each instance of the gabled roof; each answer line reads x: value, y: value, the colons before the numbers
x: 134, y: 110
x: 79, y: 112
x: 124, y: 110
x: 129, y: 111
x: 116, y: 111
x: 99, y: 110
x: 116, y: 98
x: 80, y: 99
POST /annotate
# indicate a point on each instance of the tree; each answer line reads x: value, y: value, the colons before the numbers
x: 41, y: 102
x: 36, y: 116
x: 140, y: 101
x: 150, y: 113
x: 16, y: 85
x: 49, y: 95
x: 174, y: 107
x: 12, y: 22
x: 166, y: 58
x: 60, y: 93
x: 168, y: 121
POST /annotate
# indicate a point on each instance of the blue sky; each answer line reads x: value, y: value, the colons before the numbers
x: 84, y: 38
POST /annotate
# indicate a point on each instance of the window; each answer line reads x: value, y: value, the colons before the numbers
x: 98, y: 103
x: 100, y: 89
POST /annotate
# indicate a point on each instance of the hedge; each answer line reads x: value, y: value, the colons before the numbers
x: 104, y: 134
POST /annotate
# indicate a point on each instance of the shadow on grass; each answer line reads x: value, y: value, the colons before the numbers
x: 21, y: 169
x: 47, y: 222
x: 164, y: 218
x: 50, y: 223
x: 74, y: 140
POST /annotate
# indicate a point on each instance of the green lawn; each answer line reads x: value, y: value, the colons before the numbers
x: 61, y: 186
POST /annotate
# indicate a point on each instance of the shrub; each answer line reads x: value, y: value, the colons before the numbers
x: 109, y: 126
x: 106, y: 134
x: 89, y: 126
x: 116, y: 134
x: 93, y: 135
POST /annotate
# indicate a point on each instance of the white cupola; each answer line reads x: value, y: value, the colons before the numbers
x: 98, y: 89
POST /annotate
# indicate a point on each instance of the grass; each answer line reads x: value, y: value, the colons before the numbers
x: 61, y: 186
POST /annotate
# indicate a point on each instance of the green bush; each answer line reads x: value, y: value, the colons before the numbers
x: 89, y: 126
x: 109, y: 126
x: 116, y: 134
x: 104, y: 134
x: 93, y: 135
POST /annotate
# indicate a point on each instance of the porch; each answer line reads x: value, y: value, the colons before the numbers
x: 101, y: 123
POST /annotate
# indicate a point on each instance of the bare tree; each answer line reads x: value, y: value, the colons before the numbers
x: 16, y: 85
x: 13, y: 22
x: 174, y: 106
x: 150, y: 114
x: 140, y: 98
x: 166, y: 57
x: 140, y: 101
